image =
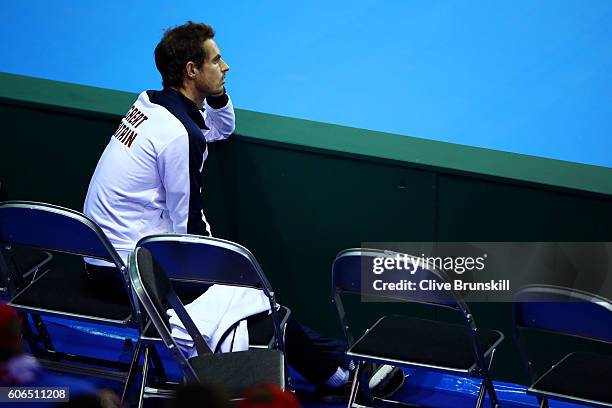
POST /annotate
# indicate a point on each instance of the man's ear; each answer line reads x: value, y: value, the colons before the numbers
x: 191, y: 70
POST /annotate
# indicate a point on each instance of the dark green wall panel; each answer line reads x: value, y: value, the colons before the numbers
x: 473, y: 209
x: 50, y: 156
x: 297, y: 209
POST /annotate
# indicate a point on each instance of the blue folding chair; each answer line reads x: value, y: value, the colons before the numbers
x: 404, y: 341
x: 211, y: 260
x: 579, y: 377
x: 62, y: 291
x: 191, y: 264
x: 192, y: 279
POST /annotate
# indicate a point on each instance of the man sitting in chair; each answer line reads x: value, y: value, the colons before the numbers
x: 148, y: 181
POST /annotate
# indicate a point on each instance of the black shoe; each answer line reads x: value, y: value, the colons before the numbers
x: 383, y: 381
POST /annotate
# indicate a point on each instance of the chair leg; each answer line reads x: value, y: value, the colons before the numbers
x: 481, y: 394
x: 354, y: 386
x: 543, y: 402
x: 487, y: 385
x: 491, y: 390
x: 288, y: 380
x: 157, y: 365
x: 42, y: 330
x: 131, y: 371
x: 30, y: 336
x: 145, y: 372
x: 38, y: 336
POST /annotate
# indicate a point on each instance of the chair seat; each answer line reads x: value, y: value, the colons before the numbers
x: 72, y: 295
x: 411, y: 341
x: 261, y: 330
x: 580, y: 377
x: 238, y: 371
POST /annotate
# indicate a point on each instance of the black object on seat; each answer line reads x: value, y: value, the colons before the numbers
x: 62, y: 291
x: 235, y: 371
x: 240, y: 370
x: 405, y: 341
x: 579, y: 377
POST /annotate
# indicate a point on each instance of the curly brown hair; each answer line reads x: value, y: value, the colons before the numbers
x: 178, y: 46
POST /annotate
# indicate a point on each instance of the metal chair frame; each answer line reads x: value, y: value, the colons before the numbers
x: 546, y: 294
x: 483, y: 359
x: 45, y: 234
x: 197, y: 276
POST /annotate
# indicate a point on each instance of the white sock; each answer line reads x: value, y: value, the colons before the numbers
x: 339, y: 378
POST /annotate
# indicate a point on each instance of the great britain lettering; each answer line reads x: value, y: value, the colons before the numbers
x: 126, y: 133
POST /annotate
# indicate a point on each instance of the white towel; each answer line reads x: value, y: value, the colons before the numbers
x: 214, y: 312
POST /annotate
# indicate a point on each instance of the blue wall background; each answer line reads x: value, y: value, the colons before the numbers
x: 530, y: 77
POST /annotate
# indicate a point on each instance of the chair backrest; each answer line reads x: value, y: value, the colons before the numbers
x: 351, y: 266
x: 58, y: 229
x: 211, y: 260
x: 152, y: 287
x: 565, y: 311
x: 54, y: 228
x: 206, y: 259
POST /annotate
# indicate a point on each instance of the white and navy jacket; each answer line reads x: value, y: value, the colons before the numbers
x: 148, y: 180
